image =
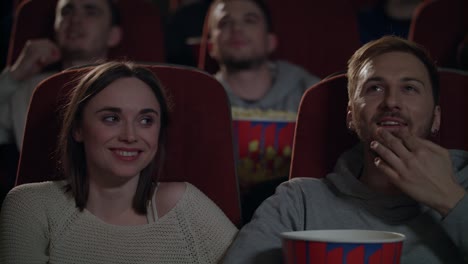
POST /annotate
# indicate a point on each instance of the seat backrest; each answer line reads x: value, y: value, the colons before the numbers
x: 439, y: 25
x: 453, y: 102
x: 142, y: 38
x: 199, y: 147
x: 321, y: 134
x: 8, y: 164
x: 317, y: 35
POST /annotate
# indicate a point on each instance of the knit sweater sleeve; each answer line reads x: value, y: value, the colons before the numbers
x: 260, y: 240
x: 208, y: 228
x: 23, y: 227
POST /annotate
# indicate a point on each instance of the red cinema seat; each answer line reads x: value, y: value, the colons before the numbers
x: 321, y: 133
x: 440, y: 26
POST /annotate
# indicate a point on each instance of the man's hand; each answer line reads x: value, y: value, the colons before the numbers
x: 35, y: 55
x: 418, y: 167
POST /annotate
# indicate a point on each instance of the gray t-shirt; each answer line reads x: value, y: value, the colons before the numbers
x: 289, y: 84
x: 263, y: 130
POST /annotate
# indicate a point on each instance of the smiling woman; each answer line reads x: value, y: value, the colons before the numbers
x: 110, y: 112
x: 113, y: 126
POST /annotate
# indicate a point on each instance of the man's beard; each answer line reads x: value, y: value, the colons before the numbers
x: 236, y: 65
x: 425, y: 132
x: 75, y: 54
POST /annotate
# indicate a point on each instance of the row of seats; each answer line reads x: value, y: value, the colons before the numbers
x: 319, y: 35
x: 200, y: 135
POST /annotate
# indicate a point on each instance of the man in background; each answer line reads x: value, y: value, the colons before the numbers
x: 84, y: 32
x: 264, y: 94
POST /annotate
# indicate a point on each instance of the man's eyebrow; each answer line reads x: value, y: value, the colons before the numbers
x: 404, y: 79
x: 411, y: 79
x: 374, y: 79
x: 67, y: 6
x: 92, y: 6
x: 253, y: 15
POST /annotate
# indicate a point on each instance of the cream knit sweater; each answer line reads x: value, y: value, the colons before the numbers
x: 39, y: 223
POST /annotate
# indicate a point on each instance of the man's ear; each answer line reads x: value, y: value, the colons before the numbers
x: 209, y: 48
x: 436, y: 122
x: 349, y: 118
x: 272, y: 42
x: 115, y: 36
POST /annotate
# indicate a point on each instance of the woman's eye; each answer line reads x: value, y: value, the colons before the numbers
x: 146, y: 121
